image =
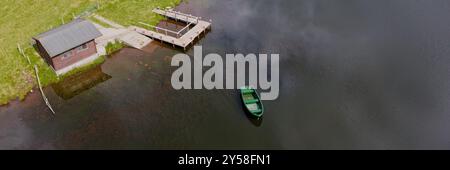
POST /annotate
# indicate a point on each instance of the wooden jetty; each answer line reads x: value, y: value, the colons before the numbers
x: 180, y: 39
x: 118, y: 32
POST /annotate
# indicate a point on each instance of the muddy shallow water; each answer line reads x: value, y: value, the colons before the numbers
x: 356, y: 74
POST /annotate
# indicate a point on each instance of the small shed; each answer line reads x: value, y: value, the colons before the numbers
x: 69, y: 45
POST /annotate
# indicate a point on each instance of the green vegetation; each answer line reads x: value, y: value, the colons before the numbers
x: 23, y: 19
x: 96, y: 62
x: 112, y: 47
x: 95, y: 20
x: 128, y: 12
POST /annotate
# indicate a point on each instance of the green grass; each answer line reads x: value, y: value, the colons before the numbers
x: 22, y: 19
x: 130, y: 12
x: 112, y: 47
x: 96, y: 62
x: 95, y: 20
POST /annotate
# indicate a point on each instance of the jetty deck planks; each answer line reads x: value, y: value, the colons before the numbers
x: 200, y: 26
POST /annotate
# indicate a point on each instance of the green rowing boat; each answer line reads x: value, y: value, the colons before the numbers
x: 252, y: 102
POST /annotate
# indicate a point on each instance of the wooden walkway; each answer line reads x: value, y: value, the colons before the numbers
x: 109, y: 22
x: 177, y: 16
x: 118, y: 32
x: 180, y: 40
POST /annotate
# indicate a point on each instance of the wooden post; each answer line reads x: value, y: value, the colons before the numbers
x: 42, y: 91
x: 23, y: 54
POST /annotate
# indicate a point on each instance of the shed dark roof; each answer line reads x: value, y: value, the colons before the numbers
x: 68, y: 36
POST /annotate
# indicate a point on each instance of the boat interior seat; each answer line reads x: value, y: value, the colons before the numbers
x: 257, y: 111
x: 247, y: 91
x: 251, y: 101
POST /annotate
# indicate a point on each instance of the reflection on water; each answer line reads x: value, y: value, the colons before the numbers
x: 78, y: 83
x: 172, y: 25
x: 256, y: 122
x: 355, y: 74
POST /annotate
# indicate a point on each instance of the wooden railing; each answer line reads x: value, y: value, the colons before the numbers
x: 175, y: 13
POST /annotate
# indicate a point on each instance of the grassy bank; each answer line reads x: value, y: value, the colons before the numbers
x: 130, y: 12
x: 95, y: 63
x: 23, y: 19
x: 112, y: 47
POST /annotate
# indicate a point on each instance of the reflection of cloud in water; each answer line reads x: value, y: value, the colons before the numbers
x: 15, y: 130
x: 355, y: 75
x: 361, y: 70
x: 13, y: 134
x: 265, y: 26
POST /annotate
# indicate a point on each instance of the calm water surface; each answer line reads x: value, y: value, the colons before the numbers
x: 355, y: 74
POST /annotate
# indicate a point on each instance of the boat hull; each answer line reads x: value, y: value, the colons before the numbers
x: 251, y: 102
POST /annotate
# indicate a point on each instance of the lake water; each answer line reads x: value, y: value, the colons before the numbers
x: 355, y: 74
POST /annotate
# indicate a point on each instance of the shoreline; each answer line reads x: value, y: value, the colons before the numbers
x: 20, y: 92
